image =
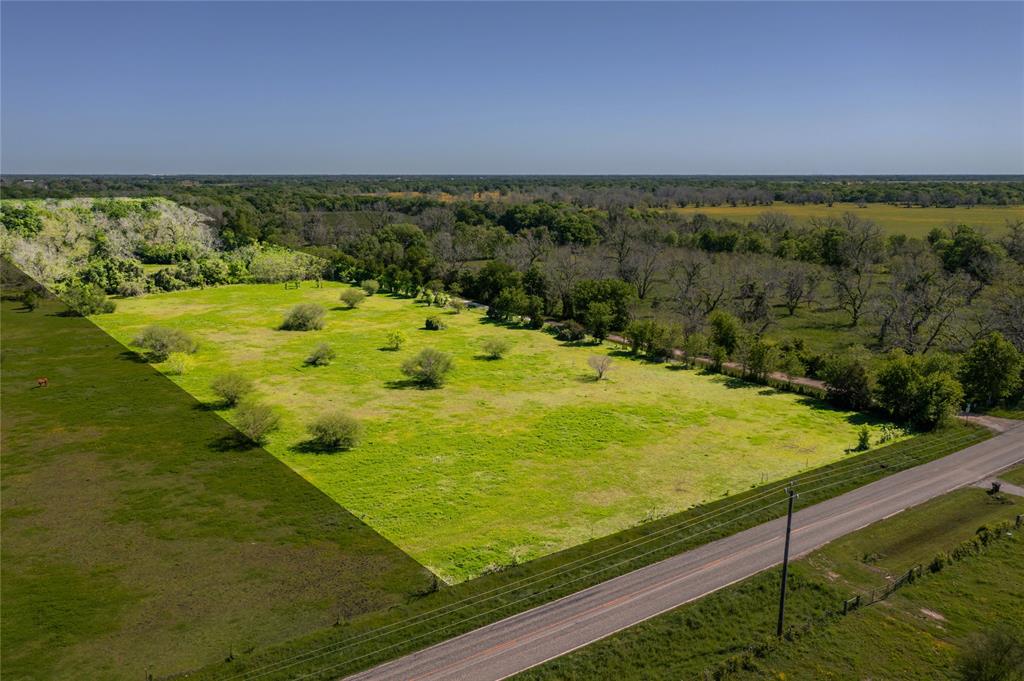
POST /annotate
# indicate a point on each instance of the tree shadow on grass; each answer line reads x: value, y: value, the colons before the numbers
x: 856, y: 418
x: 409, y: 384
x: 313, y: 447
x: 132, y: 356
x: 343, y: 308
x: 233, y: 442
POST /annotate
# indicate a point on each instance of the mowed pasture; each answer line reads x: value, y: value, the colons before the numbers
x: 136, y: 542
x: 914, y: 221
x: 512, y: 458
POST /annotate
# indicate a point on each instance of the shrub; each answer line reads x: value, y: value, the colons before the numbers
x: 495, y: 348
x: 457, y: 305
x: 429, y: 368
x: 231, y: 388
x: 572, y: 331
x: 160, y: 341
x: 304, y: 317
x: 321, y: 356
x: 435, y: 324
x: 88, y: 299
x: 256, y: 420
x: 995, y: 654
x: 178, y: 363
x: 600, y: 364
x: 352, y: 297
x: 131, y: 289
x: 335, y: 430
x: 371, y: 286
x: 394, y: 340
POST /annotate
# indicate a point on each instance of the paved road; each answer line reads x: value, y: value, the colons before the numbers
x: 509, y: 646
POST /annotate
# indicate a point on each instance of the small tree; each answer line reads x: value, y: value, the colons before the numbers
x: 598, y: 320
x: 863, y: 439
x: 495, y: 348
x: 429, y: 368
x: 160, y: 341
x: 321, y: 356
x: 304, y: 317
x: 371, y: 286
x: 457, y: 305
x: 231, y: 388
x: 256, y: 420
x: 352, y: 297
x: 848, y: 381
x: 435, y: 324
x: 600, y: 364
x: 991, y: 370
x: 395, y: 340
x: 30, y: 299
x: 725, y: 331
x: 335, y: 430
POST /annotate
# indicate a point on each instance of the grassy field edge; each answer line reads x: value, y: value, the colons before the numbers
x: 370, y: 640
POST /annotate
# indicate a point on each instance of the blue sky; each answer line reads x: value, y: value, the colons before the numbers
x: 577, y: 87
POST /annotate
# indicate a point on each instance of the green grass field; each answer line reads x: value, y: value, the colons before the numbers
x: 914, y: 634
x: 133, y: 541
x: 914, y: 221
x: 512, y: 459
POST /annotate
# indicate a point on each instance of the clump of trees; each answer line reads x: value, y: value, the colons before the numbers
x: 304, y: 317
x: 429, y: 368
x: 496, y: 348
x: 352, y: 297
x: 256, y: 420
x: 335, y: 431
x: 231, y: 388
x: 160, y: 341
x: 322, y: 355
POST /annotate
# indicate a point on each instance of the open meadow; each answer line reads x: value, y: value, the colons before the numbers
x: 913, y: 221
x: 512, y: 458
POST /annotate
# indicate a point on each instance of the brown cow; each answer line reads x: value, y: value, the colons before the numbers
x: 42, y: 382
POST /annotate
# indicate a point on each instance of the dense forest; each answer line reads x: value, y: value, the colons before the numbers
x: 829, y: 297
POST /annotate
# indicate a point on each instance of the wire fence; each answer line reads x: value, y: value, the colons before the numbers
x: 503, y: 599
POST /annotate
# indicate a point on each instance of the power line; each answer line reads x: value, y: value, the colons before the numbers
x: 844, y: 468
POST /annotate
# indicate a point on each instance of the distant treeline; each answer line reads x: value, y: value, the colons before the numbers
x: 345, y: 192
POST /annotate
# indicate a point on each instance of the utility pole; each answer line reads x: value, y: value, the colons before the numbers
x: 785, y: 562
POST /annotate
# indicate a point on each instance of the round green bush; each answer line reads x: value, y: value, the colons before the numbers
x: 334, y: 431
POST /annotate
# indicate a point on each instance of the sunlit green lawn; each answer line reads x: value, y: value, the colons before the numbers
x: 513, y: 458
